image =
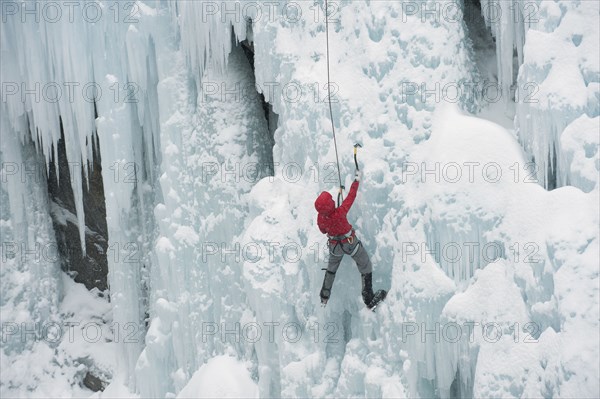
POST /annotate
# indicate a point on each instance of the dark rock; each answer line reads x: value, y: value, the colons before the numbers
x: 94, y: 383
x: 91, y: 269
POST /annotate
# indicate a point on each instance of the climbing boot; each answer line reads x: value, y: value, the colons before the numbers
x: 367, y: 288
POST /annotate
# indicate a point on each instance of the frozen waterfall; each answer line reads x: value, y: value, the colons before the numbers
x: 196, y: 136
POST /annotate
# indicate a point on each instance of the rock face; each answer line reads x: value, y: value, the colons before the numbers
x: 90, y: 269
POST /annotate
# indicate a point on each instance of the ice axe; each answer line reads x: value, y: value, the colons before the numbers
x: 355, y: 151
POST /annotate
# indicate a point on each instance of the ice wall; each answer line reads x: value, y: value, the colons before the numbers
x: 186, y: 209
x: 189, y: 292
x: 206, y: 29
x: 30, y: 265
x: 40, y: 55
x: 208, y: 139
x: 520, y: 241
x: 148, y: 61
x: 373, y: 106
x: 557, y: 83
x: 73, y: 68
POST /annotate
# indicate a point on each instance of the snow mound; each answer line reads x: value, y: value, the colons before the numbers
x: 493, y: 297
x: 221, y: 377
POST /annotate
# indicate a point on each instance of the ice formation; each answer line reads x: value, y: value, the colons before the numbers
x: 211, y: 159
x: 557, y: 80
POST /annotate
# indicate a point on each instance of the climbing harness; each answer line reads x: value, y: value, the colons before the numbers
x: 355, y: 250
x: 349, y: 238
x: 351, y: 253
x: 340, y: 197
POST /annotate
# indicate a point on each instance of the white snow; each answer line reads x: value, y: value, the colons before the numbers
x: 204, y: 242
x: 221, y: 377
x: 58, y: 351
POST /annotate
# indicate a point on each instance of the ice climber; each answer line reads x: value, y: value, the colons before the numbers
x: 342, y: 240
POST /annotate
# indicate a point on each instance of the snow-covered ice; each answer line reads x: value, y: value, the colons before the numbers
x: 481, y: 217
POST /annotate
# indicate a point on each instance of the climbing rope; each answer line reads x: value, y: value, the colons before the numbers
x: 337, y: 159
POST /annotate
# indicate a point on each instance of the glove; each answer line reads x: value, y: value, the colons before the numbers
x: 357, y: 175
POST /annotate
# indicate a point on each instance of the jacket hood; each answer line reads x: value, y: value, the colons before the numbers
x: 324, y: 203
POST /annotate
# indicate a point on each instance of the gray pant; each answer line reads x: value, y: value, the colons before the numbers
x: 336, y: 253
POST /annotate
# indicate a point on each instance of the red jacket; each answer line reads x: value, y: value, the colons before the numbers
x: 332, y: 220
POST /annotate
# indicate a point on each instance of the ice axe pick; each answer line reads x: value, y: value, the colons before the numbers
x: 355, y: 152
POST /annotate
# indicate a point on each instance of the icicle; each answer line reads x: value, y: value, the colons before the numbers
x: 205, y: 30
